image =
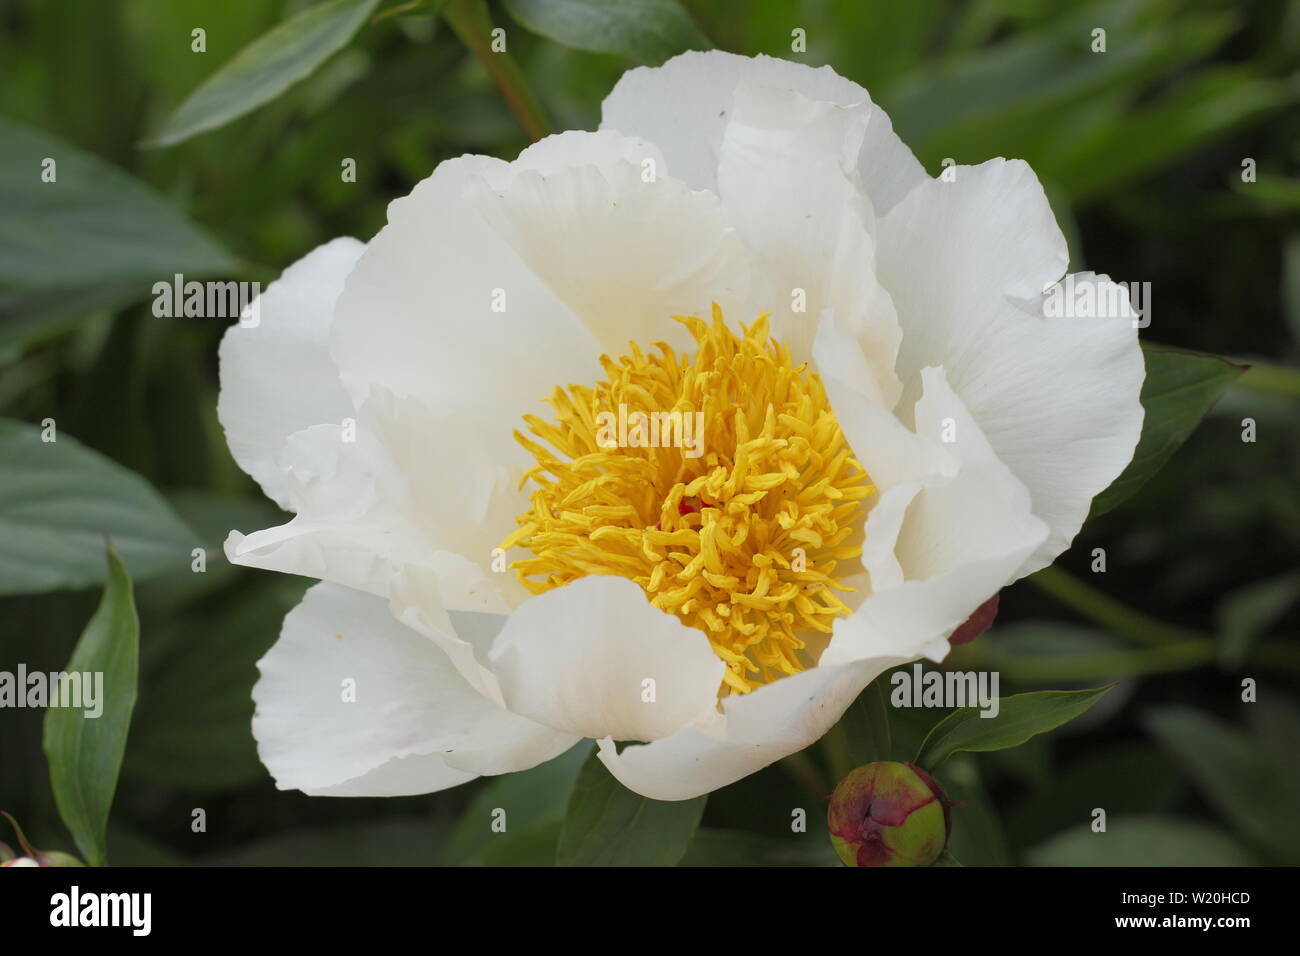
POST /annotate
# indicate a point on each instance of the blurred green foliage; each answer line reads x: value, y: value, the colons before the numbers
x: 1142, y: 150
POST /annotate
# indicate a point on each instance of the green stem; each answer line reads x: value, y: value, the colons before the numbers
x: 1110, y: 664
x: 1269, y: 377
x: 1109, y: 613
x: 471, y: 22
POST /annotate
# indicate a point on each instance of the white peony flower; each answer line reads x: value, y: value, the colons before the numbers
x: 905, y: 433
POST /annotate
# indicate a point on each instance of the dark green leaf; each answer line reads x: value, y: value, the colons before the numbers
x: 266, y: 68
x: 532, y: 805
x: 57, y: 501
x: 646, y: 31
x: 193, y: 728
x: 92, y: 238
x: 1018, y: 718
x: 609, y: 825
x: 85, y: 750
x: 1179, y: 389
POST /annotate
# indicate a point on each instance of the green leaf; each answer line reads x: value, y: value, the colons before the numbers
x: 1179, y: 389
x: 1106, y: 151
x: 425, y: 8
x: 93, y: 238
x: 646, y: 31
x: 609, y: 825
x: 1236, y: 774
x: 266, y: 68
x: 1007, y: 98
x: 1141, y: 841
x: 193, y: 728
x: 1019, y: 718
x: 57, y: 501
x: 85, y: 752
x: 532, y: 805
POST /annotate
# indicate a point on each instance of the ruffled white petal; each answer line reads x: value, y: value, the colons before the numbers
x: 684, y: 106
x: 277, y: 376
x: 595, y: 658
x: 415, y: 726
x: 966, y: 263
x: 962, y: 537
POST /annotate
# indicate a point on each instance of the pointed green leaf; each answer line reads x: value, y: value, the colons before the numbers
x: 78, y: 234
x: 266, y: 68
x: 1018, y: 718
x: 645, y: 31
x: 57, y: 501
x: 609, y: 825
x: 85, y: 748
x: 1180, y: 388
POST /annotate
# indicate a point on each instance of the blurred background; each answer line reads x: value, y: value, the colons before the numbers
x: 1142, y: 149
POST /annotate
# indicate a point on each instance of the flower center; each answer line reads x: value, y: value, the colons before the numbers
x: 720, y: 483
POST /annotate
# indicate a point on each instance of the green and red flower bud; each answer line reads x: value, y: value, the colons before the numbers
x: 889, y: 814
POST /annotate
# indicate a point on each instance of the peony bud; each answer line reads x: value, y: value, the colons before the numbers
x: 889, y: 814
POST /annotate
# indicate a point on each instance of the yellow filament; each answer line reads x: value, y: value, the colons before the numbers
x: 737, y: 530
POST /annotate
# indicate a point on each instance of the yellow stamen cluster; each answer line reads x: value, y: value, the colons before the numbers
x: 737, y: 530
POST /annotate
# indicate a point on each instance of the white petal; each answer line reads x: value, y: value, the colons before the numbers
x: 578, y: 657
x: 788, y: 181
x: 962, y: 538
x: 415, y: 726
x: 966, y: 263
x: 354, y: 524
x: 761, y: 727
x: 420, y: 318
x: 683, y: 107
x: 574, y: 149
x: 277, y: 376
x: 633, y: 252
